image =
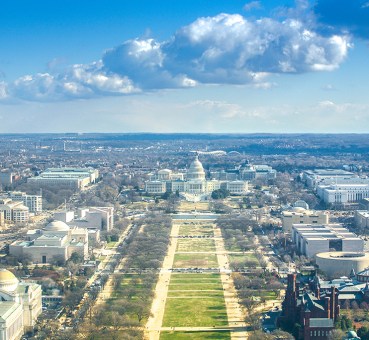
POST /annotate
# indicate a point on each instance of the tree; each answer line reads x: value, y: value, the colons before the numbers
x: 142, y: 311
x: 363, y: 333
x: 282, y: 335
x: 220, y: 194
x: 58, y: 260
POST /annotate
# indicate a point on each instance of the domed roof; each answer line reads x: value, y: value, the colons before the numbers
x: 8, y: 281
x: 164, y: 171
x: 196, y: 170
x: 298, y: 209
x: 57, y: 226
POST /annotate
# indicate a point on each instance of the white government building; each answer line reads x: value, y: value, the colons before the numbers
x: 193, y: 184
x: 74, y: 177
x: 33, y: 202
x: 337, y: 186
x: 20, y: 305
x: 14, y: 211
x: 299, y: 215
x: 313, y: 178
x: 57, y: 241
x: 344, y: 192
x: 311, y: 239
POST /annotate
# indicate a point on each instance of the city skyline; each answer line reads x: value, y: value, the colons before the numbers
x: 189, y: 66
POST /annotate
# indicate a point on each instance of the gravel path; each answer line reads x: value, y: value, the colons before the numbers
x: 153, y: 325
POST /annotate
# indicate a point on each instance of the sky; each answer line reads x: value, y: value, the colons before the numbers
x: 209, y: 66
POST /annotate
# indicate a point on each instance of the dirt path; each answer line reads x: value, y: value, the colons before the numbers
x: 234, y: 310
x: 153, y: 325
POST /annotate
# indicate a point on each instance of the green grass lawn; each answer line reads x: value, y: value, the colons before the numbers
x: 199, y: 244
x: 195, y: 300
x: 195, y: 335
x: 195, y: 282
x: 196, y: 230
x: 199, y: 292
x: 195, y: 312
x: 243, y: 257
x: 195, y: 261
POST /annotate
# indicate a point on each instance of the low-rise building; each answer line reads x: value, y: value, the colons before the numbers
x: 362, y: 218
x: 312, y: 239
x: 57, y: 241
x: 76, y: 178
x: 14, y: 211
x: 98, y: 218
x: 314, y: 177
x: 298, y: 215
x: 33, y: 202
x: 343, y: 193
x: 340, y: 263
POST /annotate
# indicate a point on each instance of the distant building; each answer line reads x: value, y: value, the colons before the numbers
x: 312, y: 239
x: 246, y: 172
x: 314, y: 177
x: 57, y: 241
x: 315, y: 313
x: 33, y: 202
x: 298, y: 215
x: 193, y: 184
x: 20, y: 305
x: 76, y: 178
x: 14, y: 211
x: 346, y: 192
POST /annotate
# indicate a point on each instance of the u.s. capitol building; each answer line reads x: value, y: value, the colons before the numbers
x: 192, y: 184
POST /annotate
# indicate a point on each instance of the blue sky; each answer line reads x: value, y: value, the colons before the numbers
x: 184, y: 66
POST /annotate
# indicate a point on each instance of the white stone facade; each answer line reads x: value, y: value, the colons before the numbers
x: 14, y: 211
x: 313, y: 239
x: 193, y: 182
x: 20, y: 305
x: 57, y: 241
x: 299, y: 215
x: 76, y: 178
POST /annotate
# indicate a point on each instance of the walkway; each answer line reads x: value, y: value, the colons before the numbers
x: 155, y: 321
x: 234, y: 310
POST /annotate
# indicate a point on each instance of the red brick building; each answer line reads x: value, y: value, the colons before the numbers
x: 314, y: 313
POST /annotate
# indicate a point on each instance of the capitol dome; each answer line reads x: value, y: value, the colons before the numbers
x: 57, y: 226
x: 8, y: 281
x: 165, y: 171
x: 298, y: 209
x: 196, y: 170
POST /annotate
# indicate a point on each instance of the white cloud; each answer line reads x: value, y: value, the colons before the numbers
x: 224, y: 49
x: 252, y: 5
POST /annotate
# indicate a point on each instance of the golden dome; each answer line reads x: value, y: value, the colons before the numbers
x: 6, y: 275
x: 8, y: 281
